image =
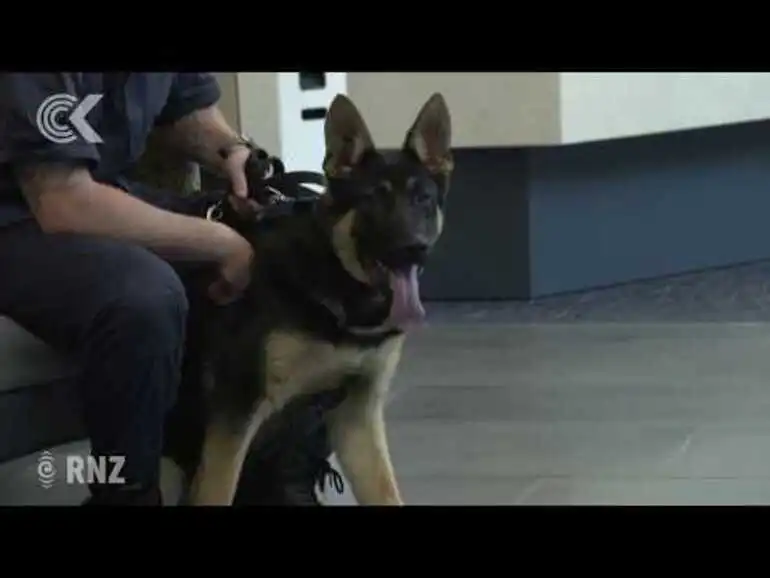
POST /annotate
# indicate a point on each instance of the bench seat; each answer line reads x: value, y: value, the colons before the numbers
x: 39, y: 404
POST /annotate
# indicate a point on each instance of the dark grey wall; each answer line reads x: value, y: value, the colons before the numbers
x: 528, y: 222
x: 616, y: 211
x: 484, y: 250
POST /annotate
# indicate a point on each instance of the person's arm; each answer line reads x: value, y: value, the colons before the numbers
x: 62, y: 195
x: 65, y: 199
x: 191, y: 123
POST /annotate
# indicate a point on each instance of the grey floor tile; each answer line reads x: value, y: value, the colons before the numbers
x: 597, y: 413
x: 650, y: 492
x: 549, y: 402
x: 464, y: 491
x: 505, y: 449
x: 587, y: 354
x: 725, y: 454
x: 447, y: 491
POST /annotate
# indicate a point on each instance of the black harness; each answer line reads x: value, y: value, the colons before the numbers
x: 285, y: 194
x: 280, y: 193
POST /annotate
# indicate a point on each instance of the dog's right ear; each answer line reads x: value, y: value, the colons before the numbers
x: 430, y: 137
x: 347, y: 137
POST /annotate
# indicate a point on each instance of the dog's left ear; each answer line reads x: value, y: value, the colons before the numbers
x: 430, y: 137
x: 347, y: 137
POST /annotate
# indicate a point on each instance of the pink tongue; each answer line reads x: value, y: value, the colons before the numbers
x: 406, y: 309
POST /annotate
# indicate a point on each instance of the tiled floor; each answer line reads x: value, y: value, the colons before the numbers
x: 568, y: 414
x: 618, y: 397
x: 585, y: 414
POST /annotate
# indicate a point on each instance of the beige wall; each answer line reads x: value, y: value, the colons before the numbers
x: 488, y: 109
x: 228, y: 83
x: 520, y: 108
x: 250, y: 103
x: 596, y: 106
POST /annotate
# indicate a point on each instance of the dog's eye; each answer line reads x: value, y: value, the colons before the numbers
x: 420, y: 191
x: 421, y: 197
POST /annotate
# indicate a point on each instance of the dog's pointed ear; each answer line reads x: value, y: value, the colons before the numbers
x: 347, y: 137
x: 430, y: 137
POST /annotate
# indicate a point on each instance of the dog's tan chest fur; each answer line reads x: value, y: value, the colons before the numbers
x: 298, y: 364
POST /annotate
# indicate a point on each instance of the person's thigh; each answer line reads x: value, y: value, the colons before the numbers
x: 120, y: 312
x: 57, y: 285
x: 185, y: 423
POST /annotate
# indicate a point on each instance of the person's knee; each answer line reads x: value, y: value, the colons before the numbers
x: 139, y: 334
x: 149, y: 306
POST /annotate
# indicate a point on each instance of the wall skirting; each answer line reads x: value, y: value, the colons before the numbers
x: 526, y: 222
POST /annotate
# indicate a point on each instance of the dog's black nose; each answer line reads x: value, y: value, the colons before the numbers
x: 406, y: 255
x: 417, y: 250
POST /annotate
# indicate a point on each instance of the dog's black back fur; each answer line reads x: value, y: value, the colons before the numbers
x: 323, y: 272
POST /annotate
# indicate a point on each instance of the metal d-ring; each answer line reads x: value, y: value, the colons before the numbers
x: 215, y: 212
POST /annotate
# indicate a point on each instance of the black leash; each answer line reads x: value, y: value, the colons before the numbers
x: 278, y: 192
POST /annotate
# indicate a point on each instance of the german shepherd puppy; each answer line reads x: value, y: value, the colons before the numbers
x: 333, y: 293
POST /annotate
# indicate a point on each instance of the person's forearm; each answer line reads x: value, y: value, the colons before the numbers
x: 201, y: 136
x: 96, y: 209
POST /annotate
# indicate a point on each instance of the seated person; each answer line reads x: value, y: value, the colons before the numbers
x: 91, y: 265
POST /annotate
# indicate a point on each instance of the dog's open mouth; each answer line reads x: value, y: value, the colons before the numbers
x: 406, y: 309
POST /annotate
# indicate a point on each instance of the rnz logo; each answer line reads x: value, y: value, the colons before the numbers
x: 95, y: 470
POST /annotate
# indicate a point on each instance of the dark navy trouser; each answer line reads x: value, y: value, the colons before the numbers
x: 121, y: 311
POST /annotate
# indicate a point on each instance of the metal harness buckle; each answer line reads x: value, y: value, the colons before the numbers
x: 215, y: 212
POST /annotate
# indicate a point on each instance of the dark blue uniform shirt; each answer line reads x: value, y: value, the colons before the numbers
x: 133, y: 103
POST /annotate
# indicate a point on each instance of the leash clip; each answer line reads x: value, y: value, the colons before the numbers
x: 215, y: 212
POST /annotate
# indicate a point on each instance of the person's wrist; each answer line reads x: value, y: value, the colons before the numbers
x: 237, y: 245
x: 227, y: 242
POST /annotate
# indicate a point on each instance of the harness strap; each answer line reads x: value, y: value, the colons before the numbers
x: 280, y: 193
x: 283, y: 194
x: 268, y: 180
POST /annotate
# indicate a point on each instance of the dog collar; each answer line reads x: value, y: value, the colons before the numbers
x: 338, y: 311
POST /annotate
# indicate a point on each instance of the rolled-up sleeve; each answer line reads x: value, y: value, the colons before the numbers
x: 190, y: 91
x: 21, y: 141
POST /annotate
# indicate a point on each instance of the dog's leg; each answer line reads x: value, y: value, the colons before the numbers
x: 224, y: 451
x: 358, y: 435
x: 359, y: 440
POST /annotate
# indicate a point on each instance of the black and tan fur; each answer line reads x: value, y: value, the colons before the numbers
x: 312, y: 319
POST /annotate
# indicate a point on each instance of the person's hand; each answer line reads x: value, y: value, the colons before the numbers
x: 234, y: 271
x: 235, y: 169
